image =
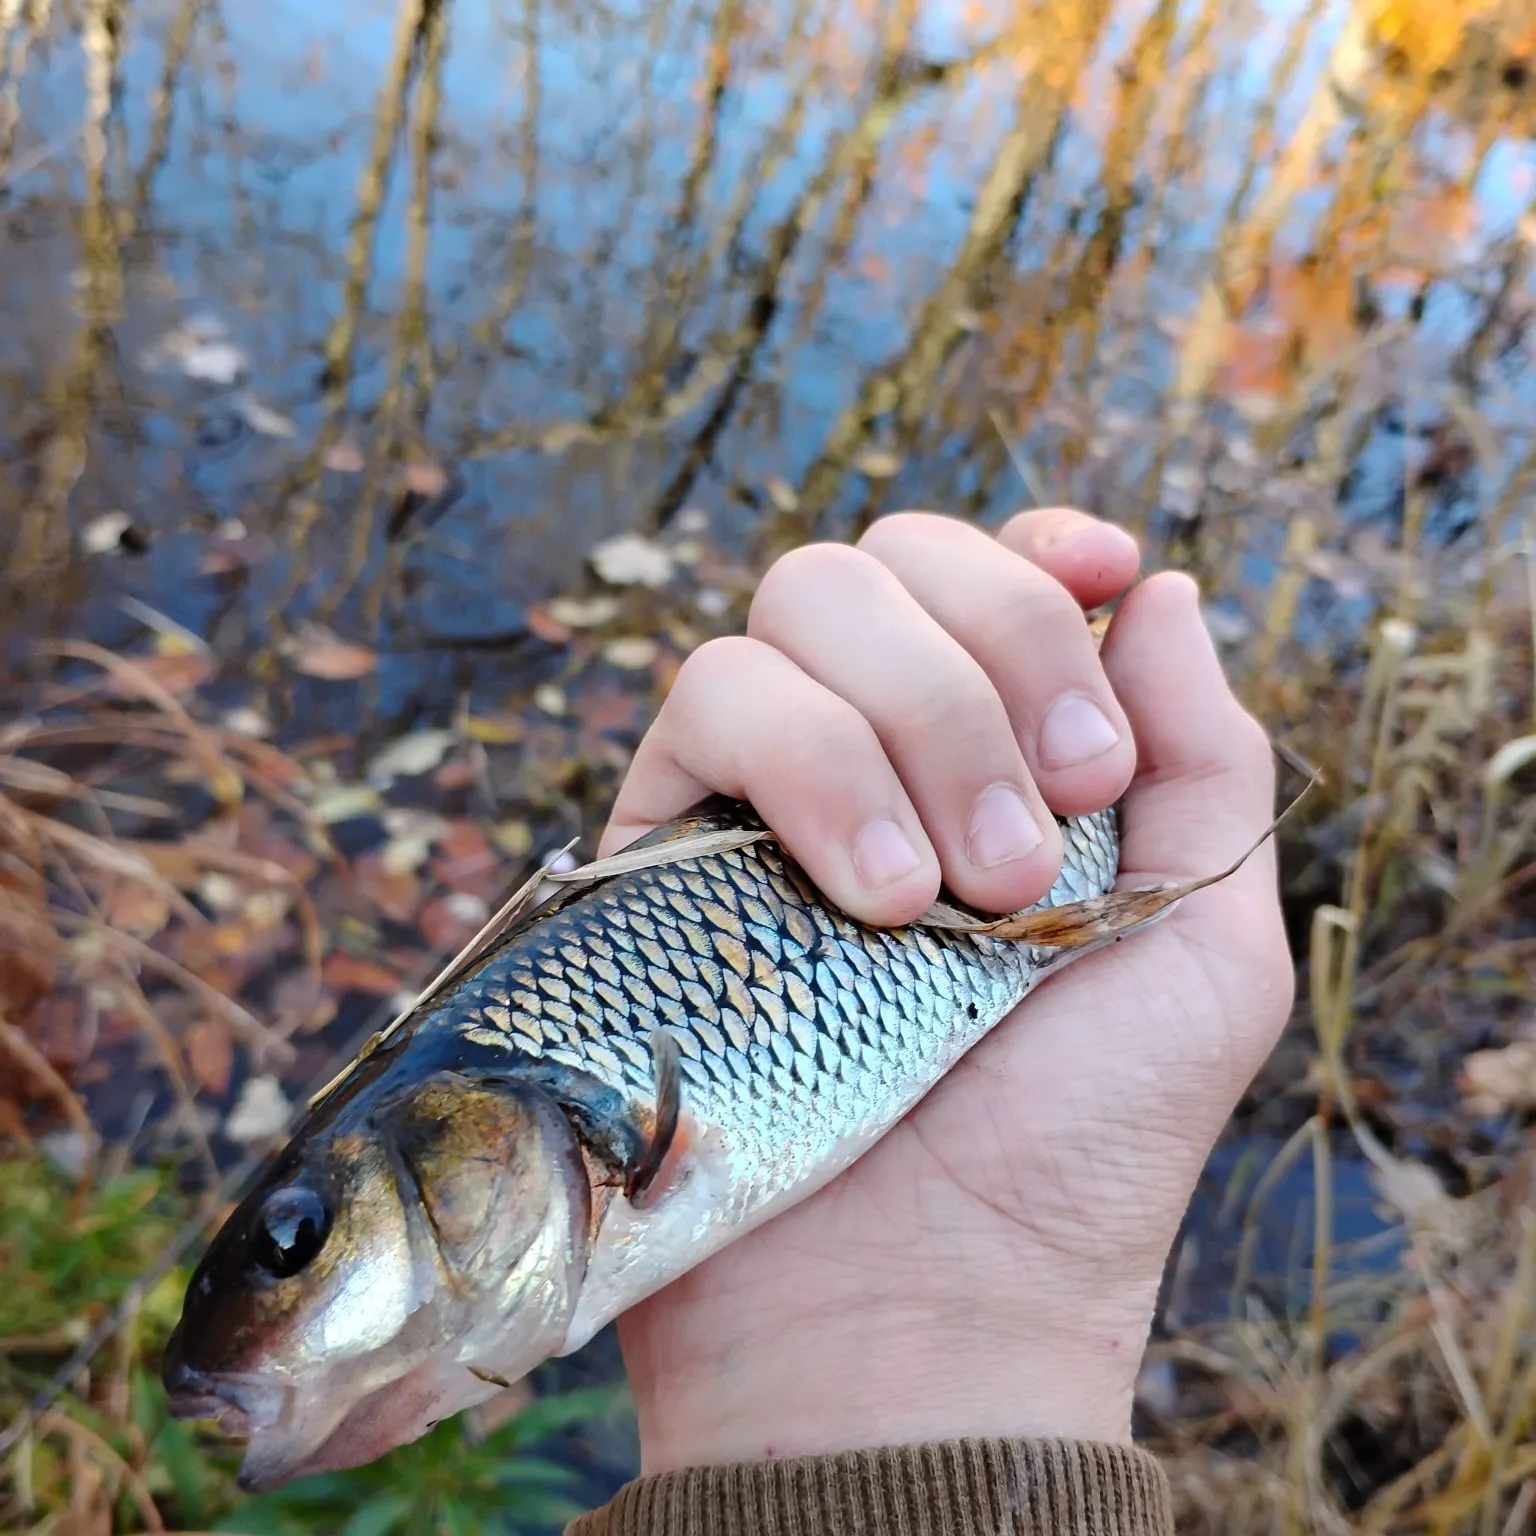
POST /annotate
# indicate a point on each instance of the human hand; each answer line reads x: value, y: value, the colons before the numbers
x: 991, y: 1266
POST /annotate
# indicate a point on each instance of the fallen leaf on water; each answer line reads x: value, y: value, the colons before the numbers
x: 404, y: 855
x: 545, y: 625
x: 781, y: 493
x: 630, y: 560
x: 344, y: 456
x: 450, y: 922
x: 351, y: 973
x: 244, y: 720
x: 1501, y: 1079
x: 513, y: 837
x: 260, y: 417
x: 416, y: 753
x: 395, y: 893
x: 583, y: 612
x: 634, y: 653
x: 177, y: 674
x: 457, y: 773
x: 346, y: 802
x: 426, y: 477
x: 211, y: 1055
x: 877, y: 463
x: 495, y: 730
x: 320, y: 653
x: 136, y: 907
x: 260, y: 1113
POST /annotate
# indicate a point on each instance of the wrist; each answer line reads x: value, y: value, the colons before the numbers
x: 830, y: 1384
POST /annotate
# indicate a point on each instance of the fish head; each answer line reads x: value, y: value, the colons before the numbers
x: 407, y: 1254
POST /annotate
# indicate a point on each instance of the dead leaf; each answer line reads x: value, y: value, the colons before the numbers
x: 545, y: 625
x: 416, y: 753
x: 211, y: 1055
x: 343, y: 456
x: 261, y: 1112
x: 446, y: 925
x: 496, y: 730
x: 582, y: 612
x: 135, y: 907
x: 426, y: 477
x: 320, y: 653
x: 632, y: 653
x: 630, y: 560
x: 351, y: 973
x: 176, y: 673
x: 395, y: 893
x: 1502, y: 1079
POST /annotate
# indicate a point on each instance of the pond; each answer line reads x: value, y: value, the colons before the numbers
x: 406, y: 387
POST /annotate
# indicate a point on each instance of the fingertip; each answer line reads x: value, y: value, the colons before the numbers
x: 1094, y: 560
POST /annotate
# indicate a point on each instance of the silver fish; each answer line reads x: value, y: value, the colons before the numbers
x: 638, y: 1072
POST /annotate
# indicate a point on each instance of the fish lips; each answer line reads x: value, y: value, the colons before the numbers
x: 241, y: 1405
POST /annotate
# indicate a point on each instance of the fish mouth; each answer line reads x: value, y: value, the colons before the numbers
x: 241, y: 1405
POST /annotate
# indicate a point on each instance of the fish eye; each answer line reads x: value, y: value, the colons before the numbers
x: 290, y: 1231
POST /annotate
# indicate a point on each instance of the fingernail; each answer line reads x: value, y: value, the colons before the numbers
x: 1075, y: 730
x: 883, y: 854
x: 1002, y: 828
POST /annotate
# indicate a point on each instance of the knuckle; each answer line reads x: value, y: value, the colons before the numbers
x: 898, y: 531
x: 810, y: 573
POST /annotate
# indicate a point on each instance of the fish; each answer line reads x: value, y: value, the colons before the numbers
x: 646, y: 1064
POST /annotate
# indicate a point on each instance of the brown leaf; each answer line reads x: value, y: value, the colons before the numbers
x: 395, y: 894
x: 456, y: 773
x: 29, y: 950
x: 465, y: 860
x: 320, y: 653
x: 177, y: 672
x: 351, y: 973
x: 343, y: 456
x: 545, y: 625
x: 444, y: 928
x: 211, y: 1055
x: 425, y: 477
x: 135, y: 907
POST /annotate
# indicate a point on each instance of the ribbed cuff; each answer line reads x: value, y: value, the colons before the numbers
x: 950, y: 1488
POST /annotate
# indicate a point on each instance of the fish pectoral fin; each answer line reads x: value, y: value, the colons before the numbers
x: 667, y: 1071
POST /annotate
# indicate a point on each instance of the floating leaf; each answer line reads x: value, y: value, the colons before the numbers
x: 782, y: 494
x: 416, y: 753
x: 177, y: 674
x: 350, y: 973
x: 634, y: 653
x: 346, y: 802
x: 261, y: 1112
x: 583, y: 612
x: 425, y: 477
x: 494, y: 730
x: 320, y: 653
x: 394, y: 892
x: 210, y: 1055
x: 1502, y: 1079
x: 630, y: 560
x: 877, y: 463
x: 343, y: 456
x: 260, y: 417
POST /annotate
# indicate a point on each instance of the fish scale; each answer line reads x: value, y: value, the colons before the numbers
x: 800, y: 1032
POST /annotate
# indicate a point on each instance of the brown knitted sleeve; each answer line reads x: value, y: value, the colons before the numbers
x: 951, y: 1488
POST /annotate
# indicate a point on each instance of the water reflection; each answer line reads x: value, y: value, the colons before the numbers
x: 477, y: 288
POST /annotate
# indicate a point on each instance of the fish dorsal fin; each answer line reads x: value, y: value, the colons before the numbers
x: 714, y: 826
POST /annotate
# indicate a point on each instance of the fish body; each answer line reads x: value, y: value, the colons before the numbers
x: 468, y: 1202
